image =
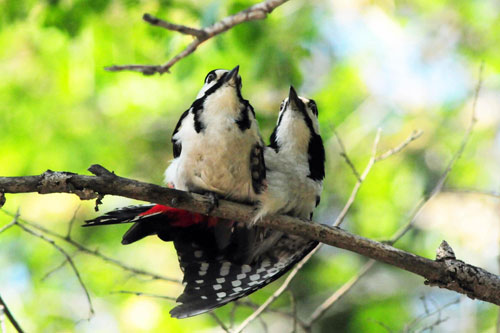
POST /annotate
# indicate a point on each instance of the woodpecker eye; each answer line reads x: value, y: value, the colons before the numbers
x: 314, y: 108
x: 210, y: 77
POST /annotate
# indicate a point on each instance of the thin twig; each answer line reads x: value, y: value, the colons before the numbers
x: 71, y: 222
x: 293, y: 304
x: 140, y: 293
x: 173, y: 27
x: 465, y: 140
x: 344, y: 155
x: 55, y: 269
x: 361, y: 179
x: 337, y: 295
x: 280, y: 312
x: 256, y: 12
x: 232, y: 315
x: 414, y: 136
x: 381, y: 324
x: 97, y: 253
x: 220, y: 322
x: 7, y: 226
x: 276, y: 294
x: 411, y: 327
x: 10, y: 316
x: 68, y: 258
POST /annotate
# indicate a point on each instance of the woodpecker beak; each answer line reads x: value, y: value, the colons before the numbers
x: 293, y: 99
x: 232, y: 75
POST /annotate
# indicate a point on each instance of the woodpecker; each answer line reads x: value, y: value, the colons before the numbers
x: 214, y: 275
x: 216, y: 143
x: 217, y: 150
x: 295, y: 162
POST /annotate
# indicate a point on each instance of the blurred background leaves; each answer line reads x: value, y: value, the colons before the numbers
x: 399, y: 66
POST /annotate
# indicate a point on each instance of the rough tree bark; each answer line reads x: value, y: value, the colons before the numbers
x: 445, y: 272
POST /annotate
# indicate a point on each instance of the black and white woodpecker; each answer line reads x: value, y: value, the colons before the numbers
x: 217, y: 150
x: 295, y: 162
x: 214, y: 276
x: 217, y: 145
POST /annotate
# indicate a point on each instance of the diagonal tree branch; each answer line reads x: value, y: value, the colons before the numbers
x: 13, y: 321
x: 256, y: 12
x: 68, y: 259
x: 447, y: 273
x: 92, y: 252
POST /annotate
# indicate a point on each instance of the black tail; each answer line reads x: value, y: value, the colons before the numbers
x: 158, y: 222
x: 120, y: 215
x: 216, y: 263
x: 212, y: 282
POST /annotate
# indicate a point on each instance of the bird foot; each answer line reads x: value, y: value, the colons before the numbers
x: 213, y: 201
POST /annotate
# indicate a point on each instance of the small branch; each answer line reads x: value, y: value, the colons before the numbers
x: 219, y: 322
x: 5, y: 309
x: 55, y: 269
x: 411, y: 327
x: 344, y: 155
x: 361, y: 179
x: 11, y: 224
x: 466, y: 138
x: 337, y: 295
x: 71, y: 223
x: 173, y: 27
x: 139, y: 293
x: 263, y: 307
x: 293, y: 304
x: 256, y: 12
x: 414, y: 136
x: 96, y: 253
x: 68, y: 258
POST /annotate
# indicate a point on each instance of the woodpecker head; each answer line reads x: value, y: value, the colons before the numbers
x: 297, y: 133
x: 221, y: 80
x: 295, y: 106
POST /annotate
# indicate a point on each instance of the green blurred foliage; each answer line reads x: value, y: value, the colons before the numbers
x: 60, y: 110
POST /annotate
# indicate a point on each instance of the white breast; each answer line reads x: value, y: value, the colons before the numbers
x: 217, y: 159
x: 289, y: 190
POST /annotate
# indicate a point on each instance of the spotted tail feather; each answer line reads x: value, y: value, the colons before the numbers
x: 211, y: 282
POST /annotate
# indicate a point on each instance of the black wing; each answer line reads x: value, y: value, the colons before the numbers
x: 316, y: 152
x: 176, y: 144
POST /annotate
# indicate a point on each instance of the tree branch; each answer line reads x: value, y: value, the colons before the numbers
x: 95, y: 253
x: 447, y: 273
x: 13, y: 321
x: 256, y: 12
x: 68, y: 259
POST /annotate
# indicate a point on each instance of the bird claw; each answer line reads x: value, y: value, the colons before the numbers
x: 213, y: 201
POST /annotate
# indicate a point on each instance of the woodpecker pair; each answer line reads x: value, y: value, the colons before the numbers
x: 218, y: 151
